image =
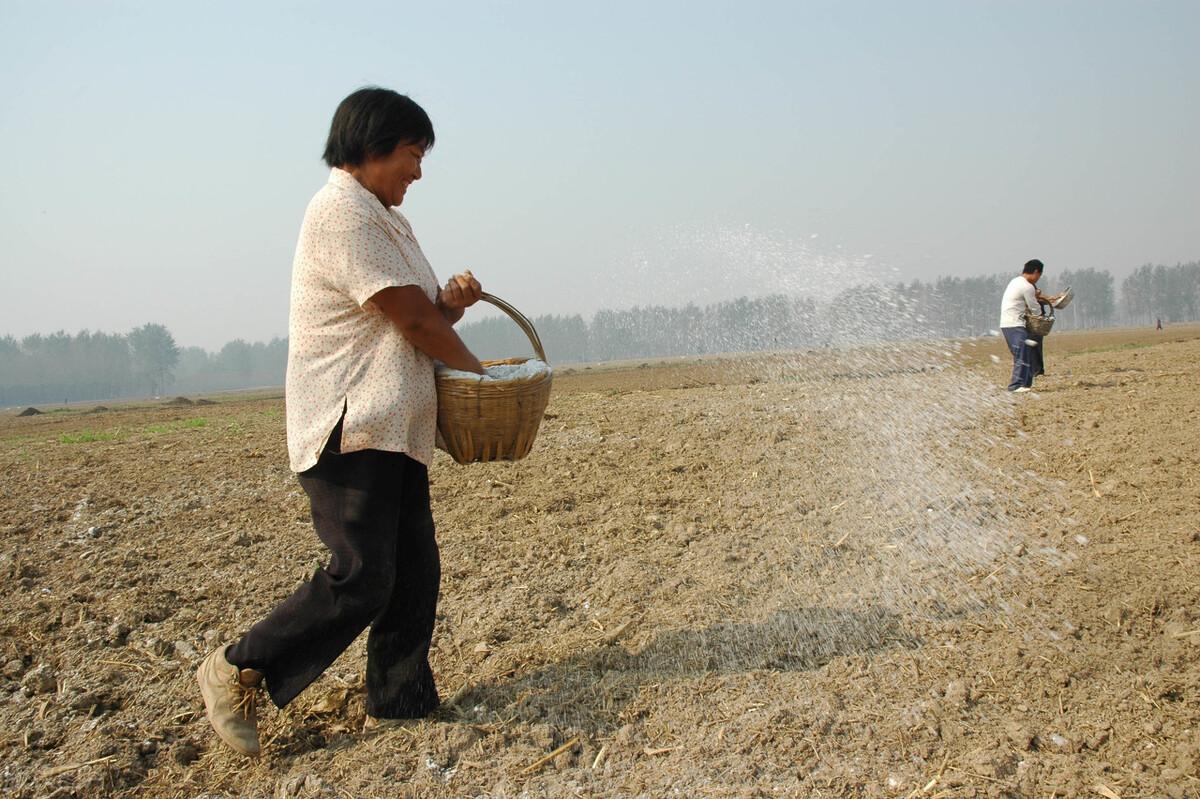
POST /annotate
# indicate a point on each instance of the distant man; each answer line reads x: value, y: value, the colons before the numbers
x: 1022, y: 296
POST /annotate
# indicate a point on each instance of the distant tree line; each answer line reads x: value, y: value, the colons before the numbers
x: 1169, y: 293
x: 239, y: 364
x: 60, y: 367
x: 955, y: 306
x: 146, y: 361
x: 949, y: 307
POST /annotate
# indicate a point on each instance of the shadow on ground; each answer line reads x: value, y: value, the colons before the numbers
x: 591, y: 690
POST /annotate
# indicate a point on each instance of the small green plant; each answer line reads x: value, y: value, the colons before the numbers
x: 88, y: 436
x: 181, y: 424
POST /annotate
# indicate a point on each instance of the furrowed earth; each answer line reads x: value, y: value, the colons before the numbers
x: 695, y: 585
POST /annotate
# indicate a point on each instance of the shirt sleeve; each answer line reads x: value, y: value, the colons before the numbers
x: 364, y: 259
x: 1030, y: 295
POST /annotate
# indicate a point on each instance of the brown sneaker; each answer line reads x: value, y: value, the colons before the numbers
x: 230, y: 696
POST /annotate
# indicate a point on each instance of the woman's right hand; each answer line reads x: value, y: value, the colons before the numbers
x: 461, y: 292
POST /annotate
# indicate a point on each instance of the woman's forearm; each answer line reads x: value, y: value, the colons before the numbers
x: 440, y: 342
x: 425, y: 327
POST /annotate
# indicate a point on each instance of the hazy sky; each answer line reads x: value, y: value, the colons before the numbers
x: 161, y: 154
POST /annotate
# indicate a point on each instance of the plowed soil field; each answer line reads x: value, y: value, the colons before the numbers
x: 711, y: 578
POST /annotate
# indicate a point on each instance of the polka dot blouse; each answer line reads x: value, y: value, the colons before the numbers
x: 342, y: 350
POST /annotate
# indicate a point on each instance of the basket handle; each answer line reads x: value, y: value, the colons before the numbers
x: 521, y: 320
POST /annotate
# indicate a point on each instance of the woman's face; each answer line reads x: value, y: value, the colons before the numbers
x: 388, y: 178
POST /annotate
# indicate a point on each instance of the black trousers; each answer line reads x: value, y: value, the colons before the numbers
x: 371, y: 509
x: 1037, y: 355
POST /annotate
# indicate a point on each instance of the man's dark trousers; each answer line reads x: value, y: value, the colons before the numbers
x: 371, y: 509
x: 1022, y: 373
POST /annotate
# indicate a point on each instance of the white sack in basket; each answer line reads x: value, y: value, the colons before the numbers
x: 500, y: 372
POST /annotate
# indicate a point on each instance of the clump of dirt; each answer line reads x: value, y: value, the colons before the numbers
x: 30, y: 411
x: 99, y: 409
x: 204, y: 402
x: 179, y: 401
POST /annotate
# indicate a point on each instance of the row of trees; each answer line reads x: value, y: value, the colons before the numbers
x: 239, y: 364
x: 145, y: 361
x: 61, y: 367
x: 949, y: 307
x: 743, y: 324
x: 1169, y: 293
x: 955, y: 306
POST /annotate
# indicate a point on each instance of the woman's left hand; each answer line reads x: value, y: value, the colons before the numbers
x: 461, y: 292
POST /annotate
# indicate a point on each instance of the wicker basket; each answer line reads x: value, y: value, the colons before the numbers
x: 1039, y: 325
x: 481, y: 421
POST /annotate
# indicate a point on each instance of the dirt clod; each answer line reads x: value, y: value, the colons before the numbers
x: 185, y: 753
x: 40, y: 680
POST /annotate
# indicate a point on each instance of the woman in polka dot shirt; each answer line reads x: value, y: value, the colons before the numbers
x: 368, y: 319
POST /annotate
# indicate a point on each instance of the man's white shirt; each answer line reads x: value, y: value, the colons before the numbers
x: 1019, y: 297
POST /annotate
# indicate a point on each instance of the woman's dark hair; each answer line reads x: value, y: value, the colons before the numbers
x: 371, y: 122
x: 1032, y: 267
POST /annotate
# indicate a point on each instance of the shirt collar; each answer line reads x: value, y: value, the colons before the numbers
x: 344, y: 180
